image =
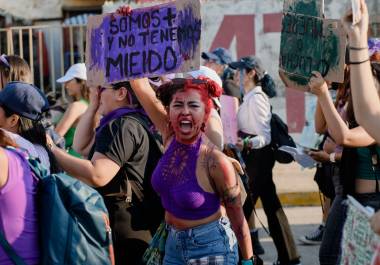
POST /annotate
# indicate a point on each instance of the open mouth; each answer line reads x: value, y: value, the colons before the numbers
x: 185, y: 126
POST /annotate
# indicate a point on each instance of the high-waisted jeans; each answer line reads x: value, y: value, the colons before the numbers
x: 212, y: 243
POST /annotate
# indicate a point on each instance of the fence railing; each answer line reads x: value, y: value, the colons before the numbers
x: 49, y: 50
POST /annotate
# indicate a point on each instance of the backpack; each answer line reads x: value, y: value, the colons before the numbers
x: 280, y: 136
x: 146, y: 209
x: 74, y: 224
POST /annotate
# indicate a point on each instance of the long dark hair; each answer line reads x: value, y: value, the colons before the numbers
x: 266, y: 82
x: 34, y: 132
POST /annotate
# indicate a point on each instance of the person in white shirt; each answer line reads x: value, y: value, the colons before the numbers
x: 254, y: 118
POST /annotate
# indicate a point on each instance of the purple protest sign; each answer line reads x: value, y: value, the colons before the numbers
x: 150, y: 42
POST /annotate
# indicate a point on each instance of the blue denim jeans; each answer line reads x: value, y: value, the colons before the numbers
x: 213, y: 244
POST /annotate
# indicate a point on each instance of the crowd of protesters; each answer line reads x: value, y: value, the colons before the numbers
x: 168, y: 130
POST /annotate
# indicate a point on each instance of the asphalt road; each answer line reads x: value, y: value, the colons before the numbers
x: 302, y: 220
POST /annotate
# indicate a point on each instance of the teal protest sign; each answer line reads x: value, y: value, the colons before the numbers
x: 310, y: 43
x: 151, y: 41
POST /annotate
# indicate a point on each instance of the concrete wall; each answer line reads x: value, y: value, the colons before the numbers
x: 33, y: 9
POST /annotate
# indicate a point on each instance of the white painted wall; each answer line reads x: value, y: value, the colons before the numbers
x: 33, y: 9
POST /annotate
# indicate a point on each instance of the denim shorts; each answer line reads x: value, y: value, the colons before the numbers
x: 212, y: 244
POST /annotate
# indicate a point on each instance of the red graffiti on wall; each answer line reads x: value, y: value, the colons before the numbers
x: 243, y: 28
x: 240, y: 26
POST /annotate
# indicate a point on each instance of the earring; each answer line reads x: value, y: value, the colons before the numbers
x: 170, y: 126
x: 203, y: 127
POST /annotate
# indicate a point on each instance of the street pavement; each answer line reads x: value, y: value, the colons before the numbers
x: 302, y: 220
x: 296, y: 188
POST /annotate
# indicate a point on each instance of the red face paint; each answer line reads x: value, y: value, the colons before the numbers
x: 187, y: 114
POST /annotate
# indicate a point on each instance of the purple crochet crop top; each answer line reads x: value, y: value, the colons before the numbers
x: 175, y: 180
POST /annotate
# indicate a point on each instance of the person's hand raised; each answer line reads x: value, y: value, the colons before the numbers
x: 94, y: 97
x: 357, y: 33
x: 317, y: 84
x: 124, y: 10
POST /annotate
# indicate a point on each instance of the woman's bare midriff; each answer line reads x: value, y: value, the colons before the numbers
x: 365, y: 186
x: 182, y: 224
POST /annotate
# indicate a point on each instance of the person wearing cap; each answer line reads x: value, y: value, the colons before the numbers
x: 120, y: 156
x: 21, y: 108
x: 217, y: 59
x: 75, y: 84
x: 254, y: 116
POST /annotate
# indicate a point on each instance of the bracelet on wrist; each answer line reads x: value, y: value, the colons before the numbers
x: 358, y: 48
x: 250, y: 261
x: 359, y: 62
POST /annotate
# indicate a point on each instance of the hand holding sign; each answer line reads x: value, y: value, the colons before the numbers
x: 357, y: 33
x: 356, y: 12
x: 147, y: 42
x: 124, y: 10
x: 317, y: 84
x: 310, y: 43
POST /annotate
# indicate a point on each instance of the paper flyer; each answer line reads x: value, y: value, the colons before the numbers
x: 359, y: 242
x: 299, y: 156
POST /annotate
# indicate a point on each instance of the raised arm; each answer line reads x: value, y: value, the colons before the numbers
x: 338, y: 129
x: 153, y: 107
x: 364, y: 94
x: 85, y: 131
x: 319, y: 120
x: 71, y: 116
x: 227, y: 185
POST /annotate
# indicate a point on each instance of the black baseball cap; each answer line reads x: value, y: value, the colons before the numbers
x: 219, y: 55
x: 24, y: 99
x: 249, y: 62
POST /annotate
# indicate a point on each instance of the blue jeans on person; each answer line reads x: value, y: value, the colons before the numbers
x: 330, y: 249
x: 213, y: 243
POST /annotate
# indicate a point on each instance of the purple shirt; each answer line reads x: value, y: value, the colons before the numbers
x: 18, y: 213
x: 175, y: 180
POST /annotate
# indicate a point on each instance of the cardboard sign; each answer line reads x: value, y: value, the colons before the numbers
x: 150, y: 42
x: 310, y: 43
x: 228, y: 114
x: 359, y: 242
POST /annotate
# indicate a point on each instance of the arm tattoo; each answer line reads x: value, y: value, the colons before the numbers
x: 230, y: 195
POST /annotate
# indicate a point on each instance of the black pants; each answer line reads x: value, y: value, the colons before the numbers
x: 129, y: 245
x: 259, y: 166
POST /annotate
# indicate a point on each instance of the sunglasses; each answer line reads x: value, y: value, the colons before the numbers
x: 101, y: 89
x: 182, y: 81
x: 4, y: 61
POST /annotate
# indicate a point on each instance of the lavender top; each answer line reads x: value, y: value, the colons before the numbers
x: 175, y: 180
x: 18, y: 211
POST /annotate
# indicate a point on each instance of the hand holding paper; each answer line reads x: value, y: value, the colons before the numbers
x: 299, y: 156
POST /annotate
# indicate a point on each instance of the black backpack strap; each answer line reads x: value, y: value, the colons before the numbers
x: 10, y: 251
x: 133, y: 185
x: 375, y: 160
x: 144, y: 123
